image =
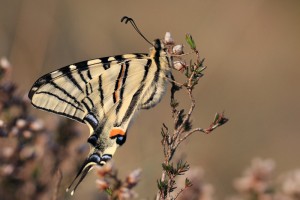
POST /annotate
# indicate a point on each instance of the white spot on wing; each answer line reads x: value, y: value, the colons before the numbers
x: 72, y: 67
x: 129, y: 56
x: 56, y: 74
x: 111, y: 58
x: 34, y: 89
x: 95, y: 61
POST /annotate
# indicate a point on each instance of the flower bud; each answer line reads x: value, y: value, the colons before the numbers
x: 1, y: 124
x: 27, y: 153
x: 125, y: 193
x: 102, y: 184
x: 178, y: 49
x: 21, y: 123
x: 4, y: 63
x: 179, y: 65
x: 36, y: 125
x: 134, y: 177
x: 14, y: 131
x: 105, y: 169
x: 27, y: 134
x: 168, y: 38
x: 7, y: 169
x: 7, y: 152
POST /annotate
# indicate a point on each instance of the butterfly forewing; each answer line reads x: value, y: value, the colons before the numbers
x: 74, y: 90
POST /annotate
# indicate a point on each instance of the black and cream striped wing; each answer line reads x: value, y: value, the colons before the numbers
x: 90, y: 87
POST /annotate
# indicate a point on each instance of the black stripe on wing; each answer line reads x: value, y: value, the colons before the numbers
x: 137, y: 94
x: 61, y: 113
x: 79, y: 67
x: 61, y: 99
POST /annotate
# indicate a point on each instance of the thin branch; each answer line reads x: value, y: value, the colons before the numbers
x: 181, y: 55
x: 190, y: 133
x: 177, y: 195
x: 182, y: 126
x: 175, y: 82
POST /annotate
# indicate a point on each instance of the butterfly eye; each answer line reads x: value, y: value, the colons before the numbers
x: 121, y: 139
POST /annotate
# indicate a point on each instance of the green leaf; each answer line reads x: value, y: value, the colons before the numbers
x: 109, y: 191
x: 163, y: 187
x: 189, y: 39
x: 181, y: 115
x: 187, y: 126
x: 217, y: 118
x: 182, y: 167
x: 188, y: 183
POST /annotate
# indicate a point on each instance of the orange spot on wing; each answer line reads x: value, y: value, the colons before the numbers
x: 116, y: 96
x: 116, y: 131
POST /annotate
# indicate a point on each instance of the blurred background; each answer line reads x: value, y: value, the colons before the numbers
x: 252, y: 50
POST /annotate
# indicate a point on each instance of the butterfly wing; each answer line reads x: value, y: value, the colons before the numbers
x: 67, y: 91
x: 104, y: 93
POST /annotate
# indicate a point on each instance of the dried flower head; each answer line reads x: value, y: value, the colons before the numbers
x: 4, y: 68
x: 199, y: 189
x: 21, y: 123
x: 105, y: 169
x: 7, y: 152
x: 25, y: 171
x: 6, y: 170
x: 102, y: 184
x: 291, y: 184
x: 4, y: 63
x: 125, y: 193
x: 36, y: 125
x: 27, y: 152
x: 133, y: 178
x: 257, y: 178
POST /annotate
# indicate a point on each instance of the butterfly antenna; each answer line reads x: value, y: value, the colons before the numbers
x: 128, y: 19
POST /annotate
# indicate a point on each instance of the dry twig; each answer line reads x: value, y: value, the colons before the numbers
x: 182, y: 126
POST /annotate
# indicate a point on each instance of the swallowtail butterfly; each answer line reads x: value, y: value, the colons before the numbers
x: 105, y: 93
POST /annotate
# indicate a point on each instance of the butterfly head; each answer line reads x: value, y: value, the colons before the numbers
x: 158, y: 49
x: 158, y: 45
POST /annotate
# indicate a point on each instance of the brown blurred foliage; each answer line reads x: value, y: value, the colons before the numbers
x: 31, y: 156
x: 252, y: 50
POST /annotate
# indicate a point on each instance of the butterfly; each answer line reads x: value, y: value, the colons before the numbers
x: 105, y: 93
